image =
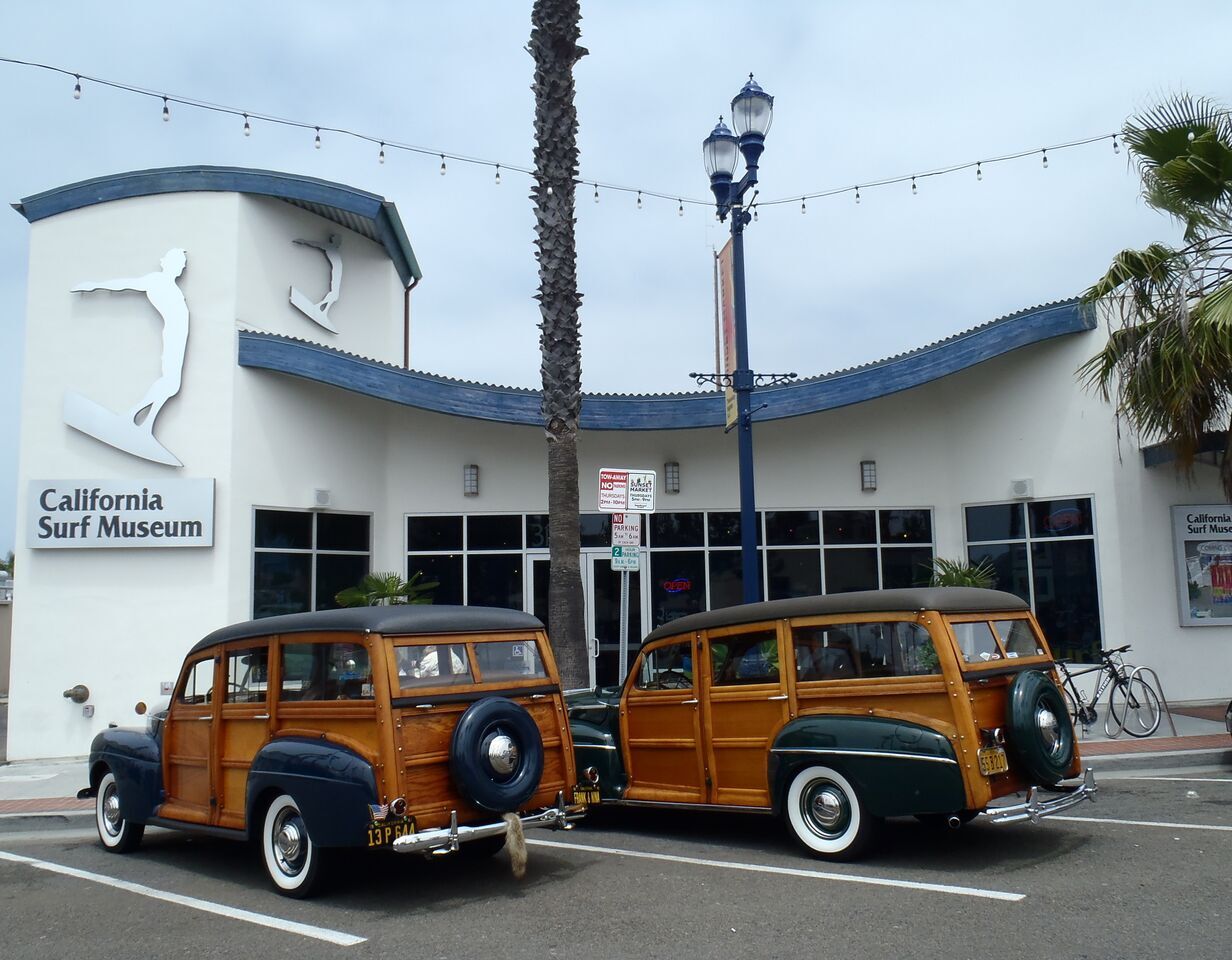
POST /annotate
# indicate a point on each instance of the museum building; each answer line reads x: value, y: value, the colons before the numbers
x: 219, y: 421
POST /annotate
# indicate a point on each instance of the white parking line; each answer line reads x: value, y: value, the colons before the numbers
x: 1184, y: 779
x: 1147, y: 823
x: 260, y: 919
x: 47, y: 813
x: 789, y: 871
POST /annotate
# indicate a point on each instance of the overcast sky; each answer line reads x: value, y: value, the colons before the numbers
x: 862, y: 92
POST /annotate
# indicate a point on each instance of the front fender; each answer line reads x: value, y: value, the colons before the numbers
x: 135, y: 759
x: 898, y: 768
x: 331, y: 785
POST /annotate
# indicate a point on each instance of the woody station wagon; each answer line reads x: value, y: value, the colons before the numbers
x: 837, y: 711
x: 409, y: 728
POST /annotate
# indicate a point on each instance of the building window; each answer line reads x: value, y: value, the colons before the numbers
x: 478, y: 560
x: 1044, y: 551
x: 301, y: 559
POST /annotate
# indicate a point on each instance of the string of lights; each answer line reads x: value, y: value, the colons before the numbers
x: 384, y: 144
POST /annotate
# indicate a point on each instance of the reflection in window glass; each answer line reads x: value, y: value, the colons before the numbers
x: 596, y: 529
x: 444, y: 569
x: 668, y: 667
x: 976, y: 641
x: 434, y: 533
x: 678, y: 585
x: 537, y: 531
x: 199, y: 684
x: 1060, y: 518
x: 792, y: 527
x: 906, y: 526
x: 508, y: 660
x: 997, y: 521
x: 326, y: 671
x: 846, y: 651
x: 723, y: 528
x: 852, y: 569
x: 302, y: 560
x: 282, y: 583
x: 432, y: 665
x: 343, y: 531
x: 499, y: 532
x: 1017, y: 638
x: 246, y: 675
x: 494, y: 580
x: 1067, y: 597
x: 676, y: 529
x: 793, y: 573
x: 1009, y: 561
x: 746, y: 658
x: 337, y: 572
x: 906, y: 566
x: 283, y: 529
x: 849, y: 526
x: 726, y: 578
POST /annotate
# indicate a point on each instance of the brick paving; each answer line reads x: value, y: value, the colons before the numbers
x: 1103, y: 748
x: 45, y: 805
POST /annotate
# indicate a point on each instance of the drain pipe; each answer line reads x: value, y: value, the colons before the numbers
x: 406, y: 324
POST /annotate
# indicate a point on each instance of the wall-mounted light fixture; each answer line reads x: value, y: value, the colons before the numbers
x: 671, y: 477
x: 470, y: 480
x: 868, y: 475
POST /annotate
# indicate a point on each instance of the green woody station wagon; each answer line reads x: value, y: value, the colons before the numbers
x: 837, y: 711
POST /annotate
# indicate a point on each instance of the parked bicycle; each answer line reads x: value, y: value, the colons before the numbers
x: 1133, y: 706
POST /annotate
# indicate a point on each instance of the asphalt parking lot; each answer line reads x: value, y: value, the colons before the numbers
x: 1143, y: 871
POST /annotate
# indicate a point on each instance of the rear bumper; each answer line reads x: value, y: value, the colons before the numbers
x: 447, y: 839
x: 1036, y: 807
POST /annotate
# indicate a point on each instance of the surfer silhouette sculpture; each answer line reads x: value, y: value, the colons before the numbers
x: 319, y: 312
x: 133, y: 432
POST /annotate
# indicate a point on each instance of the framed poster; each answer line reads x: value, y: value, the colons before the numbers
x: 1202, y: 536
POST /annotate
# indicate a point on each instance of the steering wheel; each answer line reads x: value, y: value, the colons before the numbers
x: 674, y: 680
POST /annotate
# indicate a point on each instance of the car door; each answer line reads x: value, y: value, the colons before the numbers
x: 187, y: 736
x: 243, y: 727
x: 745, y: 703
x: 660, y: 725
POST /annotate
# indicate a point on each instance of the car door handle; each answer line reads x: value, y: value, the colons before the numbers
x: 261, y: 716
x: 206, y: 719
x: 781, y: 696
x: 538, y: 696
x: 686, y: 703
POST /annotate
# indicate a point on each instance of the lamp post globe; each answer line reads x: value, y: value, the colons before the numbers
x: 721, y: 153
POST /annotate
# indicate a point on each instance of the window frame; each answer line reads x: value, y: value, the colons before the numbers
x: 312, y: 552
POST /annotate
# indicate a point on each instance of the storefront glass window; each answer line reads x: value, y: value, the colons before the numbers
x: 851, y: 569
x: 494, y: 532
x: 792, y: 573
x: 303, y: 559
x: 434, y: 533
x: 676, y: 529
x: 849, y: 526
x: 792, y: 527
x: 678, y: 585
x: 494, y: 580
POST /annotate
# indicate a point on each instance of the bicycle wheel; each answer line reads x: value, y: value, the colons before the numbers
x: 1071, y: 707
x: 1135, y: 706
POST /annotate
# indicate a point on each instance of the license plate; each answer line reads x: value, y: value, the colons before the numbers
x: 993, y: 761
x: 385, y: 832
x: 586, y: 795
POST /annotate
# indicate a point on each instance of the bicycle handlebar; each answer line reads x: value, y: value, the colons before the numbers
x: 1108, y: 653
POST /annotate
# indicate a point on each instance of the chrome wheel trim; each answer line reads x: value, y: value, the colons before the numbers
x: 825, y: 809
x: 112, y: 820
x: 1050, y: 730
x: 287, y: 842
x: 503, y: 754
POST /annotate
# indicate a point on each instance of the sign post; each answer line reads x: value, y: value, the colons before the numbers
x: 626, y: 494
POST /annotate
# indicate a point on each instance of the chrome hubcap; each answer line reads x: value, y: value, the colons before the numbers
x: 825, y: 809
x: 1049, y: 728
x: 111, y: 812
x: 503, y: 754
x: 289, y: 847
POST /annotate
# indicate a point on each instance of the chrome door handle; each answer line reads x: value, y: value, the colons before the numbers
x: 424, y: 706
x: 685, y: 703
x: 538, y: 696
x: 781, y: 696
x: 261, y: 716
x: 206, y: 719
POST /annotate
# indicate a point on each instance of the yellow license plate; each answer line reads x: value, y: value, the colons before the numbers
x: 586, y: 795
x: 993, y: 761
x: 385, y: 832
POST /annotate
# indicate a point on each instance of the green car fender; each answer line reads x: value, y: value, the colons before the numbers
x: 898, y: 768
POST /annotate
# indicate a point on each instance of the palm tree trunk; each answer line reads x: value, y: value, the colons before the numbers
x: 555, y: 29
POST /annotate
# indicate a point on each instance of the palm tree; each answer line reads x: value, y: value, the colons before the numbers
x: 6, y: 565
x: 555, y: 30
x: 1167, y: 366
x: 383, y: 589
x: 961, y: 573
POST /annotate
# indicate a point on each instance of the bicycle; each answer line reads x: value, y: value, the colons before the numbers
x: 1132, y: 703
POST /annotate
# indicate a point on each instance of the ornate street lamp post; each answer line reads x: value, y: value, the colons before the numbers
x: 751, y: 111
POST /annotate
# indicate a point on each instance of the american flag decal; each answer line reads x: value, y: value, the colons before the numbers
x: 379, y: 811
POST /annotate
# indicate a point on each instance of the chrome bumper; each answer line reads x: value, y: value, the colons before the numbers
x: 1035, y: 809
x: 444, y: 840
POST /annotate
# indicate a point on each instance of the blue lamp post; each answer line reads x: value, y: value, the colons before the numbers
x: 752, y: 109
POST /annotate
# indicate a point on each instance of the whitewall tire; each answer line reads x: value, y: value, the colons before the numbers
x: 117, y: 834
x: 826, y: 816
x: 291, y: 859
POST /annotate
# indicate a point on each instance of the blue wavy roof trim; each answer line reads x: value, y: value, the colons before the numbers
x: 365, y: 213
x: 515, y: 405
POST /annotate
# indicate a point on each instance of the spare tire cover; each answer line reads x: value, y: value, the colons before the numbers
x: 1041, y: 732
x: 496, y: 755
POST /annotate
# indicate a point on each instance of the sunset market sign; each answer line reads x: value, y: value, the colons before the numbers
x: 120, y: 513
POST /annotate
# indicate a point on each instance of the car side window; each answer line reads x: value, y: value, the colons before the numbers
x: 199, y: 684
x: 745, y: 658
x: 247, y: 673
x: 668, y: 667
x: 433, y: 665
x: 976, y: 641
x: 1018, y: 639
x: 846, y: 651
x: 326, y: 671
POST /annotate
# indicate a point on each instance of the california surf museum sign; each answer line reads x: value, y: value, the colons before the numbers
x: 120, y: 513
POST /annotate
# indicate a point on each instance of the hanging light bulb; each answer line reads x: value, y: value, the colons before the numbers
x: 754, y: 214
x: 914, y: 191
x: 639, y: 199
x: 596, y: 193
x: 857, y: 194
x: 1116, y: 147
x: 247, y: 127
x: 1045, y: 153
x: 77, y: 88
x: 380, y: 157
x: 316, y: 141
x: 1190, y: 137
x: 166, y: 111
x: 803, y: 209
x: 979, y: 171
x: 680, y: 209
x: 442, y: 164
x: 550, y: 191
x: 498, y: 174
